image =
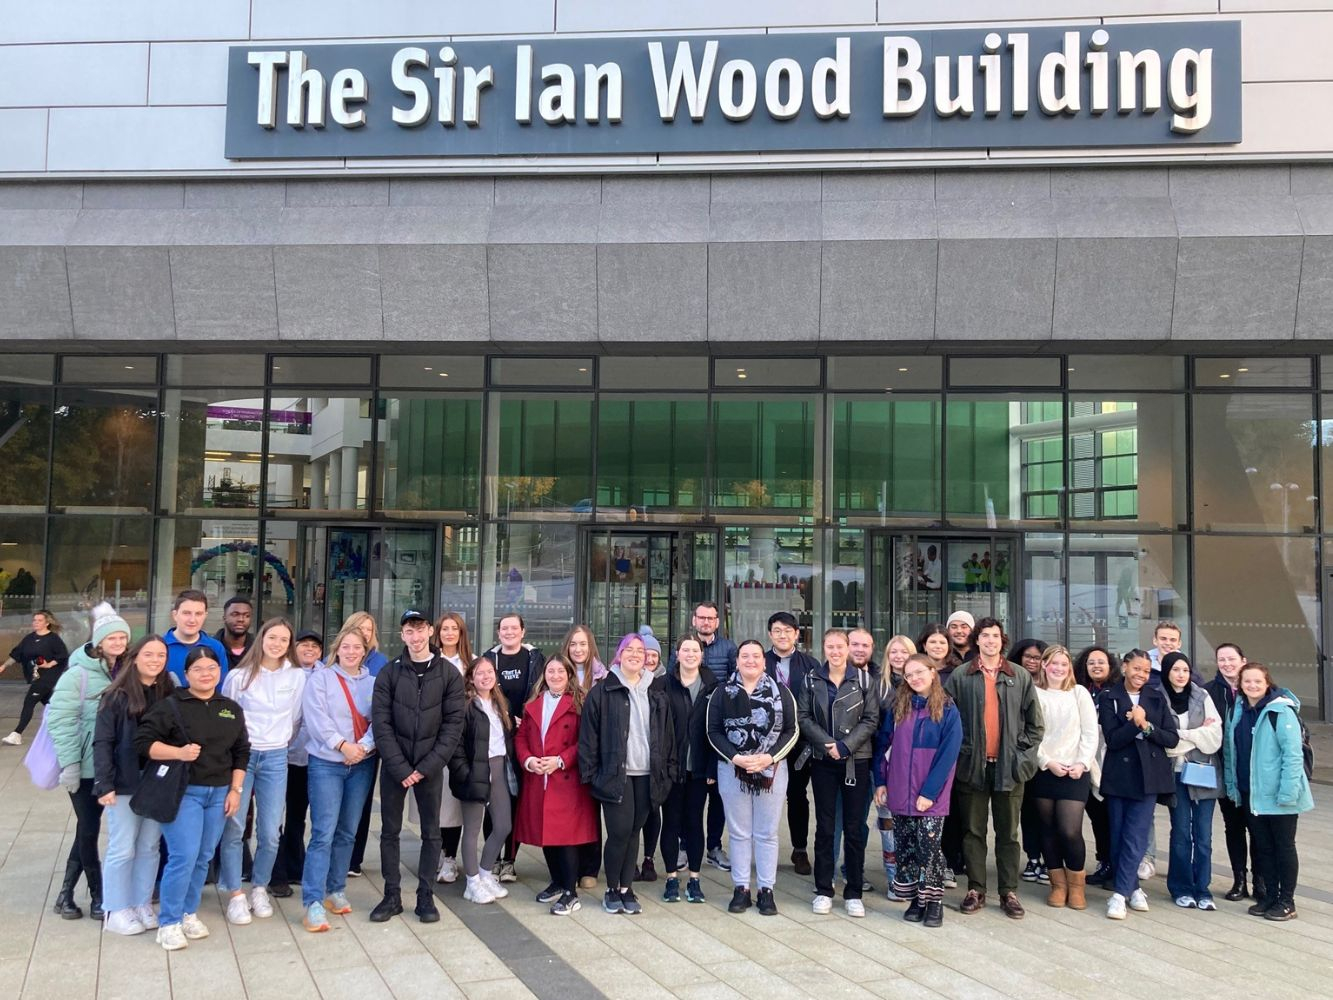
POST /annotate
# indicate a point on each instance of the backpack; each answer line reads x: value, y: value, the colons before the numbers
x: 1307, y: 751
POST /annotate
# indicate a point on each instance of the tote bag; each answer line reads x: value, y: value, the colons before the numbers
x: 162, y: 784
x: 41, y: 761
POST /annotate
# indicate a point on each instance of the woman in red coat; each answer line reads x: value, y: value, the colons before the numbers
x: 555, y: 810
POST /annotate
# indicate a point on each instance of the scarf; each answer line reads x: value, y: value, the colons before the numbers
x: 1180, y: 700
x: 755, y: 731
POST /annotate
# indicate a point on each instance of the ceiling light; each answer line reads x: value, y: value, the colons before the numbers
x: 583, y: 370
x: 129, y: 368
x: 444, y: 374
x: 902, y: 369
x: 1224, y: 375
x: 1242, y: 369
x: 428, y: 368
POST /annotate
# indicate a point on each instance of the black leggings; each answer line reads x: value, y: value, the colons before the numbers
x: 683, y: 824
x: 1101, y: 828
x: 291, y: 844
x: 624, y: 824
x: 449, y: 838
x: 1032, y: 826
x: 87, y: 828
x: 563, y: 862
x: 1062, y: 833
x: 39, y: 693
x: 652, y: 830
x: 1233, y: 821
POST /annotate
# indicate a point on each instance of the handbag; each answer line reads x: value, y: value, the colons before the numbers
x: 162, y: 784
x: 41, y: 760
x: 511, y: 776
x: 359, y: 722
x: 1198, y: 775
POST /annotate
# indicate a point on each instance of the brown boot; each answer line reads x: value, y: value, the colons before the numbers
x: 1059, y: 887
x: 1077, y: 900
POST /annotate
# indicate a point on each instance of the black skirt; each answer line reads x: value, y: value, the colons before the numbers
x: 1045, y: 785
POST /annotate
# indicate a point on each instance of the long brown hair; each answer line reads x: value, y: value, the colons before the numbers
x: 464, y: 643
x: 497, y: 694
x: 127, y: 684
x: 53, y: 623
x: 593, y: 656
x: 936, y: 699
x: 252, y: 662
x: 572, y: 687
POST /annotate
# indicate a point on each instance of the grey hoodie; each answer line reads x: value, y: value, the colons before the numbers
x: 637, y: 760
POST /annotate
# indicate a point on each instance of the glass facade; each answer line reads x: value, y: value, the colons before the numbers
x: 1081, y: 499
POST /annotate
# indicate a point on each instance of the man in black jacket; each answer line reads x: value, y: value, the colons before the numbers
x: 788, y: 666
x: 417, y: 719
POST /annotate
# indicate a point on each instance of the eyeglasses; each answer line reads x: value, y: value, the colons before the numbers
x: 706, y: 618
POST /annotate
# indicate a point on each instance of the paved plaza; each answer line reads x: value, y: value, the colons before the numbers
x: 515, y: 949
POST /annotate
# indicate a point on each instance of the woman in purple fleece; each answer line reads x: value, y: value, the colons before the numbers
x: 916, y: 750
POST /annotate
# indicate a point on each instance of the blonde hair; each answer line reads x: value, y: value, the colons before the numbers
x: 1069, y: 683
x: 358, y: 618
x: 348, y: 629
x: 886, y: 671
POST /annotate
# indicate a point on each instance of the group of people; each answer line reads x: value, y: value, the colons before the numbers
x: 599, y: 765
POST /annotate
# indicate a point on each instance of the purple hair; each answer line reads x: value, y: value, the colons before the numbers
x: 631, y: 637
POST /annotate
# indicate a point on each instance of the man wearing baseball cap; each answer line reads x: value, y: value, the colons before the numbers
x: 960, y: 625
x: 417, y: 719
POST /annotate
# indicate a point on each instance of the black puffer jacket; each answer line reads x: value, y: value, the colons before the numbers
x: 690, y: 722
x: 417, y: 720
x: 470, y: 766
x: 604, y: 737
x: 117, y: 766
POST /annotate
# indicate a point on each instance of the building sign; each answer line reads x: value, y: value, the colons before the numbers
x: 1169, y: 84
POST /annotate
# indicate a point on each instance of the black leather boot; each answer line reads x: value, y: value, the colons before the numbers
x: 65, y: 907
x: 95, y: 892
x: 1238, y: 889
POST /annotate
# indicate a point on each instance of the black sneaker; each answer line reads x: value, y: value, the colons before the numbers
x: 1043, y: 874
x: 279, y: 890
x: 567, y: 903
x: 1031, y: 872
x: 740, y: 901
x: 1281, y: 911
x: 1261, y: 907
x: 718, y: 859
x: 630, y: 902
x: 934, y: 914
x: 612, y: 903
x: 915, y: 912
x: 647, y: 872
x: 1102, y: 876
x: 550, y: 894
x: 694, y: 892
x: 355, y: 872
x: 767, y: 905
x: 426, y: 910
x: 386, y: 909
x: 671, y: 891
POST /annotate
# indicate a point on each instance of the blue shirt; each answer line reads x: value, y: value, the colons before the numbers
x: 177, y: 651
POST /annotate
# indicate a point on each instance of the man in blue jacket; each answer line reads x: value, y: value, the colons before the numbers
x: 189, y: 611
x: 720, y: 658
x: 788, y: 666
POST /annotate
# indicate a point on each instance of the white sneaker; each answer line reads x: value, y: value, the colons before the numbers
x: 260, y: 905
x: 822, y: 904
x: 1138, y: 901
x: 854, y: 907
x: 124, y: 922
x: 193, y: 927
x: 448, y: 871
x: 146, y: 916
x: 493, y: 884
x: 238, y: 910
x: 1147, y: 869
x: 172, y: 938
x: 13, y: 740
x: 478, y: 890
x: 1115, y: 906
x: 950, y: 879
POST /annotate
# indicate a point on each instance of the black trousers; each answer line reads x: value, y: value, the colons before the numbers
x: 951, y: 841
x: 393, y: 797
x: 1101, y: 828
x: 798, y: 806
x: 624, y: 825
x: 717, y: 817
x: 1233, y: 822
x: 1273, y: 841
x: 1029, y: 823
x: 41, y: 686
x: 291, y: 844
x: 449, y: 838
x: 652, y: 831
x: 590, y: 854
x: 683, y: 823
x: 363, y: 828
x: 87, y: 827
x: 828, y: 778
x: 563, y: 863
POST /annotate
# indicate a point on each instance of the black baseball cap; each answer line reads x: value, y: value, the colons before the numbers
x: 310, y: 635
x: 412, y: 615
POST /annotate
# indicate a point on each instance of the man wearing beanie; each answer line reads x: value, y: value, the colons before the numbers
x: 960, y: 625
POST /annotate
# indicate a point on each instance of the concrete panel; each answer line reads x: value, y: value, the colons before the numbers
x: 1312, y: 178
x: 653, y: 222
x: 229, y: 227
x: 329, y: 192
x: 328, y: 293
x: 1004, y: 11
x: 878, y: 291
x: 268, y: 195
x: 1234, y: 180
x: 652, y: 294
x: 991, y: 289
x: 1114, y: 289
x: 732, y: 222
x: 469, y: 224
x: 543, y: 293
x: 1316, y: 212
x: 435, y: 293
x: 397, y: 18
x: 548, y: 190
x: 188, y: 73
x: 620, y: 191
x: 41, y: 194
x: 996, y: 218
x: 1238, y: 216
x: 134, y: 194
x: 612, y: 15
x: 24, y: 148
x: 34, y: 294
x: 1109, y: 182
x: 752, y: 189
x: 1314, y: 306
x: 334, y: 227
x: 1115, y: 217
x: 858, y: 186
x: 44, y: 227
x: 1237, y: 289
x: 763, y: 292
x: 40, y: 76
x: 127, y: 20
x: 121, y: 293
x: 999, y: 185
x: 543, y: 223
x: 125, y: 227
x: 445, y: 192
x: 224, y: 293
x: 879, y: 220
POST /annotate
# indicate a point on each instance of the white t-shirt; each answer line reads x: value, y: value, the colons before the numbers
x: 496, y: 747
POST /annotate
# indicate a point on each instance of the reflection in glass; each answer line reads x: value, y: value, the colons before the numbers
x: 1042, y: 574
x: 318, y: 454
x: 1254, y: 462
x: 1125, y: 460
x: 651, y: 457
x: 25, y: 448
x: 542, y: 455
x: 105, y: 449
x: 219, y: 557
x: 637, y: 577
x: 766, y: 570
x: 22, y: 544
x: 1121, y: 586
x: 212, y: 447
x: 528, y: 569
x: 1004, y: 459
x: 1272, y: 612
x: 460, y: 562
x: 886, y: 457
x: 93, y: 559
x: 764, y: 454
x: 430, y: 454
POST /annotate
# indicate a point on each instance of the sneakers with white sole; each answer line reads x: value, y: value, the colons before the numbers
x: 1147, y: 869
x: 172, y: 938
x: 193, y: 927
x: 448, y: 871
x: 146, y: 916
x: 260, y: 905
x: 822, y: 904
x: 1187, y: 902
x: 493, y: 883
x: 1115, y: 906
x: 1138, y: 901
x: 478, y: 890
x: 125, y: 922
x: 238, y: 910
x: 854, y: 907
x: 13, y: 740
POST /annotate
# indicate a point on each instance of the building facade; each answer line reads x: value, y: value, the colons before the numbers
x: 1081, y: 387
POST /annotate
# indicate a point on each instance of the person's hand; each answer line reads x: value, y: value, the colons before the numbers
x: 70, y: 777
x: 552, y: 764
x: 923, y: 803
x: 188, y: 753
x: 1077, y: 771
x: 1057, y: 769
x: 1138, y: 716
x: 710, y: 781
x: 353, y: 753
x: 108, y: 800
x: 758, y: 762
x: 412, y: 779
x: 231, y: 803
x: 5, y: 666
x: 881, y: 796
x: 831, y: 749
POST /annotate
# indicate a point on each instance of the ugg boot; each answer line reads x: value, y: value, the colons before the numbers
x: 1078, y: 899
x: 1059, y: 887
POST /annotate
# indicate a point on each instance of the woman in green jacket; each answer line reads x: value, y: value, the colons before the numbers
x: 1265, y: 776
x: 71, y: 718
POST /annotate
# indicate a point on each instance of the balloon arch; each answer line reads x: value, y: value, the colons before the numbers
x: 251, y: 549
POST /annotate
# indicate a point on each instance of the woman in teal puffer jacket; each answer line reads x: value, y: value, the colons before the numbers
x: 1265, y: 776
x: 71, y: 718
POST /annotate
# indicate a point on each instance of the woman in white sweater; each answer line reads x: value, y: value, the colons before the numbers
x: 1065, y: 759
x: 1198, y: 766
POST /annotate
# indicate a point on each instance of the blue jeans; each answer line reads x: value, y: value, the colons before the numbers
x: 191, y: 838
x: 1191, y: 845
x: 337, y: 795
x: 266, y: 775
x: 1131, y: 819
x: 132, y: 854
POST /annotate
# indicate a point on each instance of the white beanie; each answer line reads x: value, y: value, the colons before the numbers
x: 962, y: 616
x: 106, y: 621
